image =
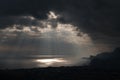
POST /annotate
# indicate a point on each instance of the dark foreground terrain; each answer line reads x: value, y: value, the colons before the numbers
x: 61, y: 73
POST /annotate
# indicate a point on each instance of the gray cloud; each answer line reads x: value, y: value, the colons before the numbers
x: 101, y: 16
x: 99, y: 19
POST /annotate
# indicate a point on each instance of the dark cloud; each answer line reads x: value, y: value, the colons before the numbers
x: 7, y: 21
x: 91, y: 15
x: 98, y: 18
x: 95, y: 16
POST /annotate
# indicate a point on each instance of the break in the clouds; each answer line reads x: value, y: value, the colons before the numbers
x: 51, y: 43
x: 65, y: 44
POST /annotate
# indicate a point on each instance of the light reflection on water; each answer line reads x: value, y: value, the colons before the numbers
x: 34, y: 61
x: 50, y: 61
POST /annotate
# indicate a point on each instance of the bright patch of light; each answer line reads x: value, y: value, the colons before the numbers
x: 26, y: 29
x: 52, y: 15
x: 50, y: 62
x: 29, y: 17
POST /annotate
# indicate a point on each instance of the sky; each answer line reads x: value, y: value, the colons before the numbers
x: 42, y: 33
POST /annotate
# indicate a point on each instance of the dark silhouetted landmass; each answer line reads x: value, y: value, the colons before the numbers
x: 106, y: 59
x: 61, y: 73
x: 104, y: 66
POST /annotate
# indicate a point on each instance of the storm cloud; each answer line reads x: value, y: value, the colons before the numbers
x: 88, y: 12
x: 85, y: 25
x: 96, y: 17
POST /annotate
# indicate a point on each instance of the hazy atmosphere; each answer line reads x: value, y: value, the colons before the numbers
x: 43, y: 33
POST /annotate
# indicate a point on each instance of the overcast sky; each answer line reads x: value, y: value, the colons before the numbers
x: 67, y: 30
